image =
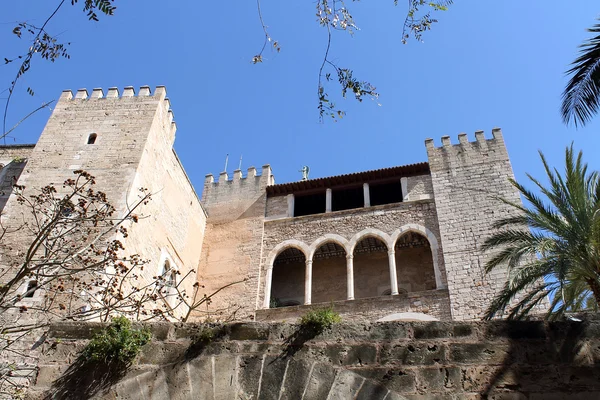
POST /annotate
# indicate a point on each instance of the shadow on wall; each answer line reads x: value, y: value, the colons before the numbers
x: 84, y: 379
x: 9, y: 176
x: 540, y: 357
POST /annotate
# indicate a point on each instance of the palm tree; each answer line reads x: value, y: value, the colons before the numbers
x: 581, y: 98
x: 558, y: 257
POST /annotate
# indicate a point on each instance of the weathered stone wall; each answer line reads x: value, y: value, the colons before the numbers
x: 307, y: 233
x: 13, y: 159
x: 232, y: 245
x: 277, y: 207
x: 392, y: 361
x: 433, y: 303
x: 175, y: 223
x: 467, y: 178
x: 419, y: 187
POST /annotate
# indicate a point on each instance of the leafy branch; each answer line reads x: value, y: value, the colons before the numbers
x: 46, y: 45
x: 335, y: 16
x: 268, y: 39
x: 416, y: 25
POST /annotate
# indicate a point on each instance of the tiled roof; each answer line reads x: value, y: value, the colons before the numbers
x: 349, y: 179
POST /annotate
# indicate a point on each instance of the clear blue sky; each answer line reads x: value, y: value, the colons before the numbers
x: 485, y: 64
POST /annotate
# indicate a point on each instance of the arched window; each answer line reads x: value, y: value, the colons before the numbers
x: 329, y: 281
x: 288, y: 278
x: 92, y: 138
x: 169, y: 275
x: 414, y: 262
x: 371, y: 267
x: 31, y: 288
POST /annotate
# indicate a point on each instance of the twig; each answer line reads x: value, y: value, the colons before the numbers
x: 24, y: 63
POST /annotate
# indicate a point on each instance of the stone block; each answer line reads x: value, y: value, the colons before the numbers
x: 273, y: 372
x: 74, y: 330
x: 413, y: 353
x: 435, y: 330
x: 345, y: 386
x: 200, y: 371
x: 248, y: 331
x: 361, y: 354
x: 296, y: 378
x: 372, y: 391
x: 161, y: 353
x: 320, y: 381
x: 439, y: 379
x: 225, y: 377
x: 486, y: 353
x: 249, y: 376
x: 396, y: 379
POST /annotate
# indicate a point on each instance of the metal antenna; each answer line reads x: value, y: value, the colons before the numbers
x: 240, y: 166
x: 226, y: 161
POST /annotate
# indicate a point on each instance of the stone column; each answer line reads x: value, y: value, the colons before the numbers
x: 393, y: 277
x: 328, y: 201
x: 290, y: 203
x: 350, y: 276
x: 366, y: 195
x: 308, y: 282
x: 404, y: 185
x: 268, y: 282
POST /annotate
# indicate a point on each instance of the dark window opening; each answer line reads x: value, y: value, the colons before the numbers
x: 309, y: 204
x: 385, y: 193
x: 92, y: 138
x: 31, y: 287
x: 346, y: 199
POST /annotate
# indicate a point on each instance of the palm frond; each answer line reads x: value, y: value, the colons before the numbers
x: 581, y: 98
x: 550, y: 246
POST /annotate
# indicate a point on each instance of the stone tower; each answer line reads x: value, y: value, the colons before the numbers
x: 467, y: 179
x: 126, y: 142
x: 234, y: 233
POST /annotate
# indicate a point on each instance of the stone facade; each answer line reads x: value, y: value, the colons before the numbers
x: 399, y: 232
x: 468, y: 178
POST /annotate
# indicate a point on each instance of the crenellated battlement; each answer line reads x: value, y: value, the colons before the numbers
x: 463, y: 139
x: 465, y: 152
x: 83, y: 96
x: 114, y: 93
x: 237, y: 193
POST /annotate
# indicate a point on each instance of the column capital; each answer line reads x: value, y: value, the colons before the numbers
x: 349, y: 256
x: 391, y: 252
x: 308, y: 262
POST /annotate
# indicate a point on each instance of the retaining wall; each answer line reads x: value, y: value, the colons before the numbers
x: 438, y: 360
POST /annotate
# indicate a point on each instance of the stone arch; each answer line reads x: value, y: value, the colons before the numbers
x: 291, y: 243
x: 370, y: 232
x: 330, y: 237
x: 433, y: 243
x: 284, y: 246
